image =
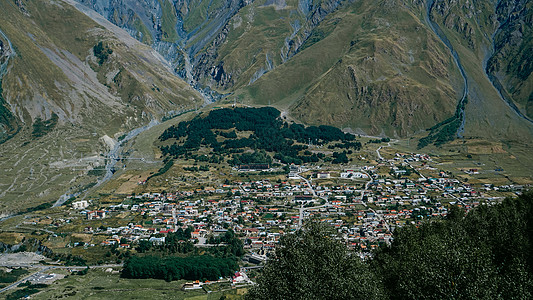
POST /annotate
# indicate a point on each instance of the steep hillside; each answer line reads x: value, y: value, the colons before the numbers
x: 70, y: 81
x: 380, y: 70
x: 492, y: 41
x: 501, y: 33
x: 360, y: 60
x: 377, y: 66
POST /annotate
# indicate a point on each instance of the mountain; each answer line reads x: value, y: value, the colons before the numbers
x: 493, y: 38
x: 387, y: 67
x: 77, y: 76
x: 70, y: 88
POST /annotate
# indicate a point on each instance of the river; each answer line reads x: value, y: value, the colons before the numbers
x: 113, y: 156
x: 3, y: 67
x: 440, y: 34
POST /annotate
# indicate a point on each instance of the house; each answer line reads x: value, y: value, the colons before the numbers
x: 323, y: 175
x: 353, y: 174
x: 80, y: 204
x: 157, y: 241
x: 192, y: 285
x: 95, y: 214
x: 303, y: 198
x: 293, y: 172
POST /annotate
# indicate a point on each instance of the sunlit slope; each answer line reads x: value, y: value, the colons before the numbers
x: 493, y: 40
x: 66, y: 99
x: 372, y: 66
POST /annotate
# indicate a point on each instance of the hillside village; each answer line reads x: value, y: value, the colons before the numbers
x: 372, y: 202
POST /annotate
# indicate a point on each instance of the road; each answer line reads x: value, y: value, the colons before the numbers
x: 377, y: 152
x: 370, y: 208
x: 113, y: 157
x: 327, y: 204
x: 381, y: 147
x: 302, y: 209
x: 44, y: 268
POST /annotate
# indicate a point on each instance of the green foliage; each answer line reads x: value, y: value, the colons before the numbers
x: 101, y: 52
x: 97, y: 172
x: 269, y: 133
x: 313, y: 264
x: 41, y: 128
x: 27, y: 291
x: 340, y: 158
x: 178, y: 242
x: 42, y: 206
x: 82, y: 272
x: 8, y: 121
x: 12, y: 276
x: 483, y: 255
x: 175, y: 268
x: 256, y: 157
x: 232, y: 246
x: 163, y: 170
x: 445, y: 131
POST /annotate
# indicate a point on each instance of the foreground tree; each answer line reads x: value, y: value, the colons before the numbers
x: 483, y: 255
x: 313, y: 264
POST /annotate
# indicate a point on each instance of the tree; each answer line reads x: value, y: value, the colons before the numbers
x: 313, y: 264
x: 485, y: 254
x: 144, y: 246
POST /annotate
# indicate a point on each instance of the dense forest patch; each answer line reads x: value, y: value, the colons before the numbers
x: 260, y: 129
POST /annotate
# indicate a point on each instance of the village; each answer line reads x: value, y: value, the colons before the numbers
x: 363, y: 204
x: 244, y: 213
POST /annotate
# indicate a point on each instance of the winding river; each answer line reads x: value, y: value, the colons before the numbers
x: 113, y: 156
x: 3, y: 67
x: 440, y: 34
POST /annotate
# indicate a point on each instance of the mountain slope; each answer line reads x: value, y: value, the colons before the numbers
x: 379, y: 76
x: 70, y: 83
x: 376, y: 66
x: 492, y: 50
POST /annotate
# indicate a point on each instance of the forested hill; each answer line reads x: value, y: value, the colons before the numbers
x: 231, y: 131
x: 485, y: 254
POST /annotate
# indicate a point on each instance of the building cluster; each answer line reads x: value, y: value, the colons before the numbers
x: 364, y: 205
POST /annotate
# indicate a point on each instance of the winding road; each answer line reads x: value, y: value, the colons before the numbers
x: 302, y: 209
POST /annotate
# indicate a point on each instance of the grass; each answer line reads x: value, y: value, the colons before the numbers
x: 199, y: 12
x: 305, y: 85
x: 69, y: 120
x: 168, y: 22
x: 98, y: 284
x: 146, y: 35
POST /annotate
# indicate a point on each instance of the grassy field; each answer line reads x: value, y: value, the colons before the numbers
x: 98, y: 284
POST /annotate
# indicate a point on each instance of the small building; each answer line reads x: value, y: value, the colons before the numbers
x: 95, y: 214
x: 80, y: 204
x: 323, y: 175
x: 157, y: 241
x: 293, y: 172
x: 303, y: 198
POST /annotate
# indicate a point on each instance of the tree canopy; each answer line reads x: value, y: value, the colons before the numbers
x: 485, y: 254
x: 175, y: 268
x: 313, y: 264
x: 219, y: 131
